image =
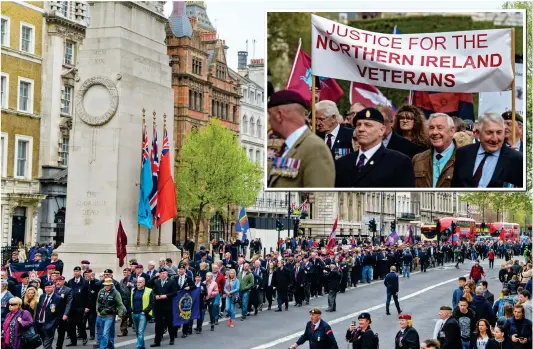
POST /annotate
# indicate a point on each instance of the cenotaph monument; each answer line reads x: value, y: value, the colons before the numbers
x: 123, y: 68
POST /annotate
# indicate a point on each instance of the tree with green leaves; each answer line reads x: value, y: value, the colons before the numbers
x: 214, y: 172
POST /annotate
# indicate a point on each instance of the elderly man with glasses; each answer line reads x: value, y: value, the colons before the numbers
x: 337, y: 138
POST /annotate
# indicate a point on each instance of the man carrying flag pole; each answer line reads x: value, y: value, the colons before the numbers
x: 144, y: 214
x: 166, y: 201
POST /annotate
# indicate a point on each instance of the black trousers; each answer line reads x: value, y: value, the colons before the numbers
x: 47, y: 336
x: 396, y: 303
x: 423, y: 265
x: 61, y: 329
x: 75, y: 320
x: 491, y: 263
x: 164, y: 318
x: 269, y: 293
x: 307, y: 291
x: 299, y: 294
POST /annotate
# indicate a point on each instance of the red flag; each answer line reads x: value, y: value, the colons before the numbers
x: 502, y: 235
x: 122, y: 241
x: 367, y: 95
x: 301, y: 75
x: 166, y: 202
x: 333, y: 234
x: 461, y: 104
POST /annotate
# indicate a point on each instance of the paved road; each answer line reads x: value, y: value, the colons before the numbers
x: 421, y: 296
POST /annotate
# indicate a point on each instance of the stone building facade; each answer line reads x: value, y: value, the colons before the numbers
x: 22, y: 59
x: 203, y: 89
x: 64, y: 31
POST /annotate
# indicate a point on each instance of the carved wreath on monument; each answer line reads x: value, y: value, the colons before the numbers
x: 113, y: 101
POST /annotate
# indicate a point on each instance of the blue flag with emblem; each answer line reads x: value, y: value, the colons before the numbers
x: 186, y: 306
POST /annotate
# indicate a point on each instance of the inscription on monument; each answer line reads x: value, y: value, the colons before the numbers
x: 91, y: 206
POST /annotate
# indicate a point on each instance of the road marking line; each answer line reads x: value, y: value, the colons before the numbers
x: 352, y: 315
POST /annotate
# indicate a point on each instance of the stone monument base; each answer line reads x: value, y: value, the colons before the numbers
x: 103, y: 256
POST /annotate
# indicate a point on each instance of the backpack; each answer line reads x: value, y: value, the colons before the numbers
x: 503, y: 302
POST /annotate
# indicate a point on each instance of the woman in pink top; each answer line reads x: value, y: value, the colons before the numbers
x: 212, y: 299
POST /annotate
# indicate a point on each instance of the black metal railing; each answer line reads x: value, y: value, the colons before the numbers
x: 269, y: 203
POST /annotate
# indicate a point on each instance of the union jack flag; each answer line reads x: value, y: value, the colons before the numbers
x: 303, y: 206
x: 166, y: 149
x: 155, y: 174
x: 145, y: 153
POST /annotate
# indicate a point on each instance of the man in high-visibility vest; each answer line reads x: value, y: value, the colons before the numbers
x: 142, y: 303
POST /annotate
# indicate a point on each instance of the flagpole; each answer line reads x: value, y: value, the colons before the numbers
x: 294, y: 63
x: 513, y: 88
x: 140, y: 179
x: 313, y: 106
x: 149, y: 242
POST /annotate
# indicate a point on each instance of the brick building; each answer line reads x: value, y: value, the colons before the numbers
x: 203, y: 88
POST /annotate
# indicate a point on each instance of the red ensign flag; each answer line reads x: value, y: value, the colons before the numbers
x: 166, y: 201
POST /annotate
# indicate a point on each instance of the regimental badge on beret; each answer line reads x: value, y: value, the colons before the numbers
x: 364, y: 316
x: 315, y: 311
x: 367, y: 114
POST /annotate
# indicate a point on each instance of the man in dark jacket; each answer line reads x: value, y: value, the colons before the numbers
x: 466, y: 318
x: 79, y: 307
x: 281, y: 280
x: 362, y: 336
x: 318, y: 333
x: 519, y: 329
x: 392, y: 283
x: 449, y: 334
x: 482, y: 307
x: 63, y: 309
x: 333, y: 279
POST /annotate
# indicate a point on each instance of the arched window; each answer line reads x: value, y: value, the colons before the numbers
x: 250, y: 155
x: 195, y: 102
x: 259, y: 129
x: 212, y: 108
x: 258, y: 157
x: 244, y: 124
x: 226, y: 114
x: 252, y: 126
x: 216, y: 227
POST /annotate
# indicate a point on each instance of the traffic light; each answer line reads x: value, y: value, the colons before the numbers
x: 279, y: 225
x: 393, y: 226
x: 372, y: 225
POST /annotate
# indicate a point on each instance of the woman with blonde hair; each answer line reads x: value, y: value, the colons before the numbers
x: 407, y: 337
x: 231, y: 293
x: 30, y: 301
x: 17, y: 321
x: 410, y: 123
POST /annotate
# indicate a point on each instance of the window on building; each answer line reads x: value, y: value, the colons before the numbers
x: 69, y: 53
x: 27, y: 37
x: 66, y: 100
x: 244, y: 124
x: 258, y: 157
x: 25, y: 100
x: 3, y: 155
x: 64, y: 8
x: 5, y: 90
x: 234, y: 113
x: 201, y: 101
x: 195, y: 101
x: 259, y: 129
x: 23, y: 156
x: 252, y: 126
x: 226, y: 114
x: 64, y: 152
x: 191, y: 100
x: 197, y: 66
x: 250, y: 155
x: 212, y: 108
x: 5, y: 31
x: 221, y: 72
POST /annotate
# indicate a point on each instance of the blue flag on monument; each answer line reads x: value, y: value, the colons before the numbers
x: 186, y: 306
x: 144, y: 212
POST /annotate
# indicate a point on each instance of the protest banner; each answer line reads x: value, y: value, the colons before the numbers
x: 467, y: 61
x: 17, y: 269
x: 500, y: 102
x: 186, y: 306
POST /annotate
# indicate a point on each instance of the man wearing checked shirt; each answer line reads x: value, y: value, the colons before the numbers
x: 488, y: 164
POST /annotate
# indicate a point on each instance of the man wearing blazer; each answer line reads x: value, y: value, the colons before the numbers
x: 488, y: 164
x: 508, y: 118
x: 449, y: 333
x: 184, y: 282
x: 165, y: 289
x: 434, y: 167
x: 304, y: 161
x: 63, y: 309
x: 392, y: 140
x: 47, y: 314
x: 337, y: 138
x: 373, y: 165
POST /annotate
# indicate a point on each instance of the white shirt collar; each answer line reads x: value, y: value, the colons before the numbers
x: 335, y: 131
x: 293, y: 137
x: 386, y: 140
x: 317, y: 324
x: 2, y: 294
x: 369, y: 153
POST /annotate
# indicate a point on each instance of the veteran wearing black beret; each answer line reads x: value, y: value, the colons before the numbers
x: 508, y: 118
x: 373, y: 165
x: 304, y: 160
x: 317, y: 332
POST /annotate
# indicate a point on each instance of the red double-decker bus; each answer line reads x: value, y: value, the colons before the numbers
x: 511, y: 231
x: 428, y: 232
x: 466, y: 228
